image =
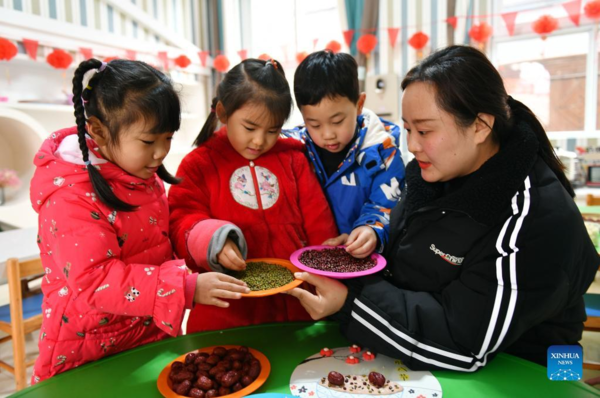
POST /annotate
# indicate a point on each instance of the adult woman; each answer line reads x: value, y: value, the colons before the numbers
x: 488, y: 251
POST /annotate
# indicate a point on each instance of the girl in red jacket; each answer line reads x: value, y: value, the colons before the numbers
x: 111, y: 280
x: 246, y: 192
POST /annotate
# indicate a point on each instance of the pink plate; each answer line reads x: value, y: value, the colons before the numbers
x: 294, y: 258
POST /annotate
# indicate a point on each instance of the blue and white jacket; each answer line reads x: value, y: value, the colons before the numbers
x: 368, y: 182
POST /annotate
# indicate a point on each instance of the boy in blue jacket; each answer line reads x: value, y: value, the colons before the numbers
x: 356, y: 154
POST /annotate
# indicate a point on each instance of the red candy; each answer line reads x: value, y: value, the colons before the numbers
x: 368, y: 356
x: 355, y: 349
x: 352, y: 360
x: 326, y: 352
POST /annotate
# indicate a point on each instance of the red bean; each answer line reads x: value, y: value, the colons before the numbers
x: 335, y: 260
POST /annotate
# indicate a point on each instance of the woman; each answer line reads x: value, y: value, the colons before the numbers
x: 488, y: 251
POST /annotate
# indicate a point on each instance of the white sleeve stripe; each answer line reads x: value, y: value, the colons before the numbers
x: 501, y: 237
x: 513, y: 265
x: 404, y: 350
x: 513, y: 279
x: 499, y: 290
x: 409, y: 339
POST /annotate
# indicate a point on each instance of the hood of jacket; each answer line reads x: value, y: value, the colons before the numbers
x: 59, y: 165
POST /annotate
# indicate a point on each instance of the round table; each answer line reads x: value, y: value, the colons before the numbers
x: 133, y: 373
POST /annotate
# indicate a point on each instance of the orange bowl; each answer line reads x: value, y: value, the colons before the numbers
x: 269, y: 292
x: 164, y: 383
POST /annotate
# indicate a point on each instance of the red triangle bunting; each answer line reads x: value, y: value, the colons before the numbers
x: 86, y: 52
x: 348, y: 35
x: 242, y: 53
x: 509, y: 20
x: 164, y: 59
x: 573, y: 8
x: 31, y: 46
x: 130, y: 54
x: 203, y: 55
x: 452, y: 21
x: 393, y: 35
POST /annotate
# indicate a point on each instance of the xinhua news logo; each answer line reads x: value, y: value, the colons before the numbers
x: 565, y: 362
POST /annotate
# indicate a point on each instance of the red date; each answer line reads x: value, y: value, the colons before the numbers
x: 335, y: 378
x: 377, y: 379
x: 222, y: 372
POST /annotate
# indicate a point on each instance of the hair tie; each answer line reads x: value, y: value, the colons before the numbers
x: 85, y: 82
x: 272, y: 62
x: 87, y: 162
x: 212, y: 110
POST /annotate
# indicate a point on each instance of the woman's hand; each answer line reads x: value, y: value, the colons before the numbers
x: 337, y: 241
x: 361, y: 242
x: 213, y: 286
x: 230, y: 257
x: 329, y: 298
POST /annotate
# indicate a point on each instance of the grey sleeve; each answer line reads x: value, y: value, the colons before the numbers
x: 218, y: 241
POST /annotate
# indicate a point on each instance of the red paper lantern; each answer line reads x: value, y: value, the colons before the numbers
x: 592, y: 10
x: 366, y: 43
x: 545, y: 25
x: 221, y: 63
x: 7, y: 50
x: 300, y: 56
x: 264, y: 57
x: 59, y: 59
x: 418, y: 40
x: 334, y: 46
x: 182, y: 61
x: 480, y: 33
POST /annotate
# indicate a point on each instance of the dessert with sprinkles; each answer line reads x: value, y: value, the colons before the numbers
x: 372, y: 384
x: 335, y: 260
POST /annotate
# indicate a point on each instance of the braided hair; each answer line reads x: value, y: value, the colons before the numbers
x: 250, y: 81
x: 119, y: 94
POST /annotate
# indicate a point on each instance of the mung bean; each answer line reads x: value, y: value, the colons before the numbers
x: 263, y: 276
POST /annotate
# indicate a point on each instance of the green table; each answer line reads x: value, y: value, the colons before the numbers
x: 133, y: 373
x: 589, y: 209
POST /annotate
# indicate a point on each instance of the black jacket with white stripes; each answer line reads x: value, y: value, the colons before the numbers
x: 497, y: 261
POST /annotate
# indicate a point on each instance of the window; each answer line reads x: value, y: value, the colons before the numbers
x: 83, y: 12
x: 548, y: 76
x: 52, y: 9
x: 299, y: 22
x: 35, y: 7
x: 111, y: 19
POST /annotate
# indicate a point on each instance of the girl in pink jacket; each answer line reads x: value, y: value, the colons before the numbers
x: 111, y: 281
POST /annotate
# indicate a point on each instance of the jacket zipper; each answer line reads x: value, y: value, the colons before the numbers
x: 256, y: 188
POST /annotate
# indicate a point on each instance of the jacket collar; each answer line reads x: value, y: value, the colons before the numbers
x: 487, y: 192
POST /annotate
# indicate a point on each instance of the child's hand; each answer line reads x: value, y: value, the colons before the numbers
x: 337, y: 241
x: 361, y: 242
x: 230, y: 257
x: 212, y: 286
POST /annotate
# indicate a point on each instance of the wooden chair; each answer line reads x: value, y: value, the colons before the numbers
x: 591, y: 200
x: 21, y: 316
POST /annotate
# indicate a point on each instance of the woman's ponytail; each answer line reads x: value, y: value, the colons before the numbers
x: 520, y: 112
x: 81, y: 96
x: 210, y: 125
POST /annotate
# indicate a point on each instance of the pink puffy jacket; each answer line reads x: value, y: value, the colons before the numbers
x: 111, y: 283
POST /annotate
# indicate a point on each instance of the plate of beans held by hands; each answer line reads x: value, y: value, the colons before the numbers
x: 335, y: 262
x: 268, y: 276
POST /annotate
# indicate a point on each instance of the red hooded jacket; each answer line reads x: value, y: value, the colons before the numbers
x: 111, y: 283
x: 219, y: 188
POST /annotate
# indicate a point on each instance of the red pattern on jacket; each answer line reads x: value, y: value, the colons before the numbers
x: 299, y: 216
x: 111, y: 283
